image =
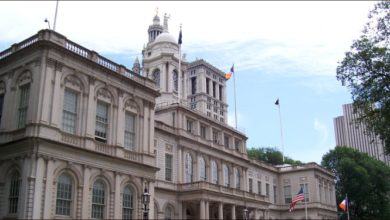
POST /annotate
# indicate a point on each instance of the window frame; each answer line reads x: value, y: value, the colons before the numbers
x: 104, y: 124
x: 68, y: 201
x: 74, y: 114
x: 131, y: 201
x: 102, y: 197
x: 128, y: 133
x: 24, y: 98
x: 168, y: 170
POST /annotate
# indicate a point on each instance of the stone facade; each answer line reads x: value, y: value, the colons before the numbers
x: 82, y: 137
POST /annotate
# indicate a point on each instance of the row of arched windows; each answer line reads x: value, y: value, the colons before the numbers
x: 226, y: 172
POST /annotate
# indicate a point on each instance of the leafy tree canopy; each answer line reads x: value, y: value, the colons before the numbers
x: 366, y: 71
x: 271, y: 155
x: 364, y: 179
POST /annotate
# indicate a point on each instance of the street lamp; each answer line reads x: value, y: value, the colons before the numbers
x: 145, y: 201
x: 245, y: 213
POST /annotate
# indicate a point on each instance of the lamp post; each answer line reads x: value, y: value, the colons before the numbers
x: 245, y: 211
x: 145, y: 201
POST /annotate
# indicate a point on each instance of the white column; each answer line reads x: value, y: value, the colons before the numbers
x: 233, y: 212
x: 49, y: 190
x: 202, y: 213
x: 117, y: 199
x: 207, y: 210
x: 85, y: 204
x: 40, y: 167
x: 220, y: 211
x: 180, y: 165
x: 152, y: 196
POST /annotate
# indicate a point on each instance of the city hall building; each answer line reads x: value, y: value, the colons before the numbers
x: 84, y: 137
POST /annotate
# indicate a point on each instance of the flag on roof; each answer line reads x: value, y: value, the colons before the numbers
x: 229, y: 74
x: 299, y: 197
x: 277, y: 102
x: 180, y: 37
x: 344, y: 204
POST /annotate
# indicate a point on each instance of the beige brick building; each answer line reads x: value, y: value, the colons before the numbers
x: 82, y: 137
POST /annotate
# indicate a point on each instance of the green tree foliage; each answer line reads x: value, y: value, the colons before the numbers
x: 366, y: 71
x: 364, y: 179
x: 271, y: 155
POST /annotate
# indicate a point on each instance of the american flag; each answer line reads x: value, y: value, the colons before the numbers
x: 299, y: 197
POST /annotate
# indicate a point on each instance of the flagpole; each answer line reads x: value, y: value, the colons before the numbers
x: 346, y: 196
x: 281, y: 130
x: 235, y: 102
x: 182, y: 81
x: 55, y: 17
x: 304, y: 193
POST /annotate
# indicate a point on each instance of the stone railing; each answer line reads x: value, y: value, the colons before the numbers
x: 202, y: 185
x: 58, y: 39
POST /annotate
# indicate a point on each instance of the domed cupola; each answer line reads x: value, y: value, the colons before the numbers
x: 155, y: 29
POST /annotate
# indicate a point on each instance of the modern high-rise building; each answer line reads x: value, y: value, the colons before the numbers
x: 84, y: 137
x: 356, y: 135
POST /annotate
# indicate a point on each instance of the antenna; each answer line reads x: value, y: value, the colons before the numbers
x: 55, y: 17
x: 47, y: 21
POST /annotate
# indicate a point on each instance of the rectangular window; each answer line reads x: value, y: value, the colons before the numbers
x: 23, y: 104
x: 274, y: 193
x: 190, y: 125
x: 193, y: 85
x: 203, y: 131
x: 287, y: 194
x: 214, y: 92
x: 250, y: 185
x: 168, y: 167
x: 267, y: 189
x: 101, y: 121
x: 220, y: 92
x: 127, y: 204
x: 237, y: 144
x: 259, y: 187
x: 207, y: 86
x: 306, y: 191
x: 1, y: 106
x: 69, y: 112
x: 226, y: 140
x: 129, y: 131
x: 215, y: 136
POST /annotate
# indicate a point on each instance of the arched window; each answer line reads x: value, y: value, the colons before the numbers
x: 188, y: 168
x: 156, y: 77
x: 226, y: 181
x: 237, y: 177
x: 175, y: 81
x: 168, y: 214
x: 98, y: 200
x: 128, y: 203
x: 69, y: 112
x: 23, y: 104
x: 64, y: 195
x: 101, y: 128
x: 130, y: 131
x: 14, y: 190
x: 202, y: 169
x: 214, y: 172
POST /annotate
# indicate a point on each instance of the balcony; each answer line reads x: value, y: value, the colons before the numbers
x: 223, y: 190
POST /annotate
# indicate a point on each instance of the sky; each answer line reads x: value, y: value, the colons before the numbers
x: 280, y: 49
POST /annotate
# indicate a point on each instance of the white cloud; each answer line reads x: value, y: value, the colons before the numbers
x: 321, y: 128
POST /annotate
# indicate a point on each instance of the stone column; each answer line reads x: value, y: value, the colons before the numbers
x: 202, y: 213
x: 85, y: 208
x: 233, y: 211
x: 220, y: 211
x: 48, y: 189
x: 40, y: 167
x: 180, y: 165
x: 117, y: 194
x: 207, y: 211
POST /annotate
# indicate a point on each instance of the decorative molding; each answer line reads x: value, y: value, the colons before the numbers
x: 74, y: 81
x: 104, y: 93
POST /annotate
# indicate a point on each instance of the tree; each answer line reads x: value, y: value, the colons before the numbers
x: 271, y: 155
x: 364, y: 179
x: 366, y: 71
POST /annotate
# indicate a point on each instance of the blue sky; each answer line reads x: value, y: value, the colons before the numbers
x: 286, y: 50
